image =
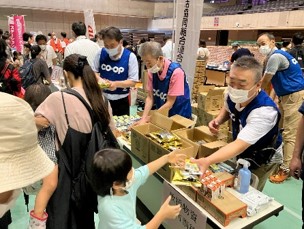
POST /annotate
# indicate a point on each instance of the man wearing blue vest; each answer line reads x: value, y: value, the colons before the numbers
x: 255, y: 121
x: 285, y: 75
x: 117, y: 66
x: 167, y: 84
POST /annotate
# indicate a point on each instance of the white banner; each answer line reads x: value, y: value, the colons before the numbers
x: 90, y: 23
x: 190, y: 217
x: 187, y: 33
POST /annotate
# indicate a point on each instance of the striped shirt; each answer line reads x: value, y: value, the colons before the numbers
x: 84, y: 47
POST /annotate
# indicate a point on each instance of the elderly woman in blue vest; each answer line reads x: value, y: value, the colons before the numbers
x: 167, y: 85
x: 255, y: 121
x: 119, y: 67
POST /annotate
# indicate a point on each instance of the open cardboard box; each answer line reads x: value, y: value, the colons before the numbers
x: 140, y: 143
x: 198, y: 134
x: 157, y: 151
x: 210, y: 98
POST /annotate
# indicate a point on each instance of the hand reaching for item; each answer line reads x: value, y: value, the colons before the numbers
x: 176, y: 158
x: 202, y: 164
x: 169, y: 211
x: 140, y: 122
x: 214, y: 126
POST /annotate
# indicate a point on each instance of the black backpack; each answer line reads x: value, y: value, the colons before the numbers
x: 26, y: 73
x: 82, y: 192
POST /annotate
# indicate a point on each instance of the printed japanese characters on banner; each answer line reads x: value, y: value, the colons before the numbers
x: 90, y: 23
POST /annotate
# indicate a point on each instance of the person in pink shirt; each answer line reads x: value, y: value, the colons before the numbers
x: 167, y: 84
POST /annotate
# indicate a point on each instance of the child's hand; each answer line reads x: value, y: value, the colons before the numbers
x: 169, y: 211
x: 177, y: 158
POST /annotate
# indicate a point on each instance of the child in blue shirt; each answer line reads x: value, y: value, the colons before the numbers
x: 116, y: 182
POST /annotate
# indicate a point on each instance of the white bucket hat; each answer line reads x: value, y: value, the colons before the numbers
x: 22, y: 161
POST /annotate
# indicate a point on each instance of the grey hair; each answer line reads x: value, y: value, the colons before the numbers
x: 269, y: 35
x: 150, y: 48
x: 250, y: 63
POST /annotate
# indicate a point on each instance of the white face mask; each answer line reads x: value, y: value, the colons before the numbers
x: 7, y: 206
x: 154, y: 69
x: 238, y: 95
x: 113, y: 52
x: 265, y: 50
x: 130, y: 182
x: 43, y: 47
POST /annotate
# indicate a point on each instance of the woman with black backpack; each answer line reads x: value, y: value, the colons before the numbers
x: 73, y: 125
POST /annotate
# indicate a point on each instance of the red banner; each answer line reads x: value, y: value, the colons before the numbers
x: 19, y: 29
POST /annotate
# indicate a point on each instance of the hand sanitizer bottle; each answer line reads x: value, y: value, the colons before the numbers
x: 244, y: 176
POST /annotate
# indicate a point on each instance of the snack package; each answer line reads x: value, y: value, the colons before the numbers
x: 103, y: 83
x: 187, y: 175
x: 168, y: 140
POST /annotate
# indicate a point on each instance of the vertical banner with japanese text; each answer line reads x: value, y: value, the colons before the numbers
x: 90, y: 23
x: 11, y: 30
x: 187, y: 32
x: 190, y: 216
x: 19, y: 29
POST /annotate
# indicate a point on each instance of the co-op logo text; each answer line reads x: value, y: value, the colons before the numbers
x: 115, y: 69
x: 161, y: 95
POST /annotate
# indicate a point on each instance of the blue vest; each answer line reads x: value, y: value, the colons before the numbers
x: 289, y: 80
x: 182, y: 104
x: 239, y: 118
x: 115, y: 70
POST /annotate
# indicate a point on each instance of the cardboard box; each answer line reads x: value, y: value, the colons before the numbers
x: 201, y: 134
x: 157, y: 151
x: 190, y: 191
x: 227, y: 178
x: 210, y: 98
x: 194, y: 108
x: 140, y: 144
x: 209, y: 148
x: 225, y: 209
x: 200, y: 63
x: 173, y: 123
x: 215, y: 77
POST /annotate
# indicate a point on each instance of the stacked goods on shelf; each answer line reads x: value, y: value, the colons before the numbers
x: 199, y: 77
x: 219, y: 54
x: 209, y: 103
x: 141, y: 91
x: 123, y: 123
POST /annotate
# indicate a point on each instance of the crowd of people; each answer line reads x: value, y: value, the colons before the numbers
x: 47, y: 132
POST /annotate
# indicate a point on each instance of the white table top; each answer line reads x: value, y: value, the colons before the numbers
x: 248, y: 222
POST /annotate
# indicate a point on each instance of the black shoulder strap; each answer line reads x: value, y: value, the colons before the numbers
x: 65, y: 113
x: 90, y: 110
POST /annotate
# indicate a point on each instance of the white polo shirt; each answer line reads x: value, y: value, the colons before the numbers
x: 48, y: 55
x: 84, y: 47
